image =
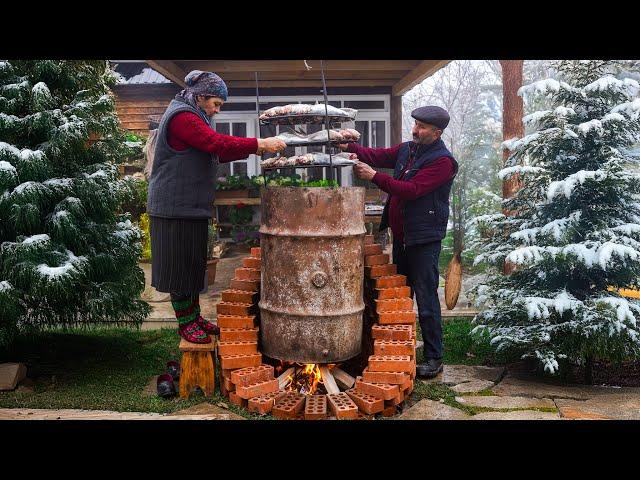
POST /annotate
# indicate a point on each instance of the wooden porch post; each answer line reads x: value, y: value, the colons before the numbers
x: 396, y: 119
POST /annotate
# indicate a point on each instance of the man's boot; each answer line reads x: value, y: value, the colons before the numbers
x: 429, y: 369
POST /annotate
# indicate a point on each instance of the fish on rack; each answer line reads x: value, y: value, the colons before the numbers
x: 342, y: 135
x: 317, y: 158
x: 299, y: 109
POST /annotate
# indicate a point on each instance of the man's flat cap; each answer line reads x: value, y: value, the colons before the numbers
x: 433, y: 115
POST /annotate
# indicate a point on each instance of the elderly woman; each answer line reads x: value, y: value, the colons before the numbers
x: 181, y: 193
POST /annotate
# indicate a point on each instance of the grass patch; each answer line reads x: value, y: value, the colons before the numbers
x: 460, y: 347
x: 98, y: 369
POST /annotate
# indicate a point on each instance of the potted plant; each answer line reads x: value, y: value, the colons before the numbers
x: 235, y: 186
x: 212, y: 259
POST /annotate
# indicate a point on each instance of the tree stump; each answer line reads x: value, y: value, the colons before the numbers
x: 197, y: 367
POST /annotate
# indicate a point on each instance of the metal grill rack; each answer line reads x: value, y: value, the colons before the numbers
x: 329, y: 120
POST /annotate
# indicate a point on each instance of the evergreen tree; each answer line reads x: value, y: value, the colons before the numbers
x: 574, y: 235
x: 68, y: 257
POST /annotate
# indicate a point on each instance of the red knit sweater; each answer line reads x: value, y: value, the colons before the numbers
x: 187, y: 129
x: 426, y: 180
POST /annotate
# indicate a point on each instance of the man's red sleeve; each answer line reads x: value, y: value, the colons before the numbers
x: 426, y: 180
x: 192, y: 130
x: 376, y: 157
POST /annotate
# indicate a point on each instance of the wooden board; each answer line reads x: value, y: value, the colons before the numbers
x: 343, y: 378
x: 282, y: 379
x: 328, y: 380
x: 186, y: 346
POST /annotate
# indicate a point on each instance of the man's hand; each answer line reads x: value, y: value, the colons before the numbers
x: 364, y: 171
x: 342, y: 146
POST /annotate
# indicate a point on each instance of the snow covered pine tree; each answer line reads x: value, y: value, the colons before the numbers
x: 67, y: 257
x: 575, y: 232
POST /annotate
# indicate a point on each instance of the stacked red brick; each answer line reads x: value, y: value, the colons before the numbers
x: 388, y: 378
x: 237, y: 319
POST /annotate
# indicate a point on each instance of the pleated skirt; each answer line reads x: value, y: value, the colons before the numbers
x: 178, y: 254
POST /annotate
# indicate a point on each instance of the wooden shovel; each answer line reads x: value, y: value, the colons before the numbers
x: 453, y: 281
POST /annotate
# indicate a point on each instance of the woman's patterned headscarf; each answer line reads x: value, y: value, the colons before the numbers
x: 203, y: 83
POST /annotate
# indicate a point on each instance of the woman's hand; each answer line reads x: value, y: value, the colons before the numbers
x: 343, y: 146
x: 270, y: 145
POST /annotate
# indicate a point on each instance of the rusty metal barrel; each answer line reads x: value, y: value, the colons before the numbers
x: 312, y: 248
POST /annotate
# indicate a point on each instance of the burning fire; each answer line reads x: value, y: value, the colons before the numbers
x: 305, y: 379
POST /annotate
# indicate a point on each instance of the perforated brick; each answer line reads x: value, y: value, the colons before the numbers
x: 393, y: 378
x: 257, y: 389
x: 373, y: 249
x: 392, y: 292
x: 255, y: 252
x: 228, y: 386
x: 240, y: 361
x: 237, y: 348
x: 246, y: 285
x: 251, y: 262
x: 390, y: 332
x: 376, y: 259
x: 397, y: 400
x: 396, y: 318
x: 368, y: 404
x: 239, y: 334
x: 389, y: 411
x: 342, y: 406
x: 390, y: 363
x: 289, y: 406
x: 390, y: 281
x: 236, y: 400
x: 264, y: 403
x: 240, y: 309
x: 375, y: 271
x: 394, y: 305
x: 394, y: 347
x: 239, y: 296
x: 384, y: 391
x: 247, y: 273
x: 315, y: 407
x: 247, y: 376
x: 407, y: 385
x: 236, y: 321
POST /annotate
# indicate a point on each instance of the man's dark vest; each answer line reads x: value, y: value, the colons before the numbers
x: 182, y: 182
x: 425, y: 218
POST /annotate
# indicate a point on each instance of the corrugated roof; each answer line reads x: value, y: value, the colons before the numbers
x: 138, y: 73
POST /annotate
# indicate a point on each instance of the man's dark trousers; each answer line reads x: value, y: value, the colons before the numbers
x: 420, y: 264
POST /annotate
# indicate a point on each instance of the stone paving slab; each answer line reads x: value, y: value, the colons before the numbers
x: 517, y: 415
x: 497, y: 403
x: 473, y: 386
x: 72, y: 414
x: 456, y: 374
x: 431, y: 410
x: 530, y: 387
x: 619, y: 406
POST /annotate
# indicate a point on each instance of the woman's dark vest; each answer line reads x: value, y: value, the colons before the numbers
x: 182, y: 182
x: 425, y: 218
